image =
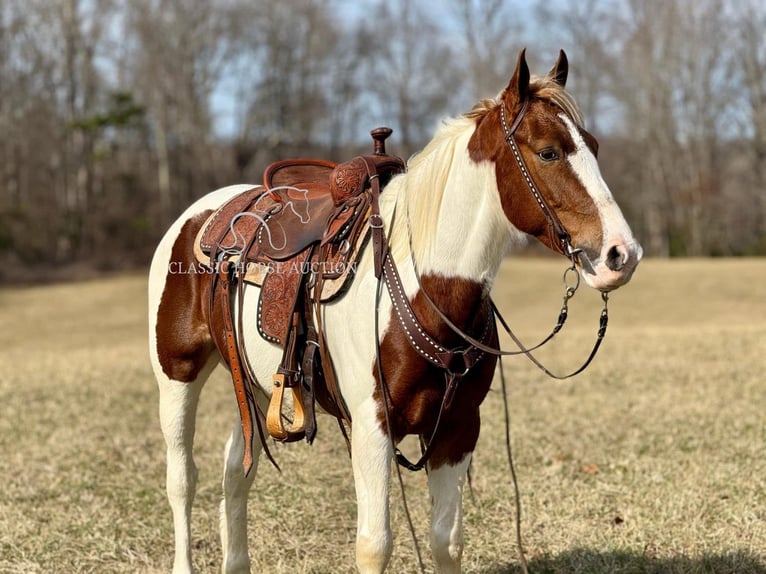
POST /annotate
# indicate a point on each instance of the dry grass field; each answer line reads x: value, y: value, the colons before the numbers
x: 652, y: 461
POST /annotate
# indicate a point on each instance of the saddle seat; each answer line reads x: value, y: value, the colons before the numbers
x: 298, y: 237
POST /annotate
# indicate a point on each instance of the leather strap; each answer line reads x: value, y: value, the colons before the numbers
x: 379, y: 246
x: 560, y: 236
x: 449, y: 393
x: 308, y: 368
x: 328, y: 370
x: 455, y: 361
x: 245, y: 399
x: 229, y: 345
x: 259, y: 415
x: 603, y: 322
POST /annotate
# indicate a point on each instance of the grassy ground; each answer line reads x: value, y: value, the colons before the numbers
x: 650, y: 462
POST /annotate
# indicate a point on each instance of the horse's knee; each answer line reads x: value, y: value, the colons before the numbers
x: 235, y: 483
x: 372, y: 554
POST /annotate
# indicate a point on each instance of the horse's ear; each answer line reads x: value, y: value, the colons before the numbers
x: 519, y: 84
x: 560, y: 70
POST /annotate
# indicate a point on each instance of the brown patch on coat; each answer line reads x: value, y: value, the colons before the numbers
x: 556, y: 180
x: 416, y: 386
x: 184, y: 343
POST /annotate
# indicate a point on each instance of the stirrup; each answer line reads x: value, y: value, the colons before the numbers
x: 275, y: 420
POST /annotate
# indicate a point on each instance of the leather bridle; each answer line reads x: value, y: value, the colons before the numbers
x: 564, y: 240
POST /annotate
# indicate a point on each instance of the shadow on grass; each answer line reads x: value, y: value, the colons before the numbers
x: 587, y: 561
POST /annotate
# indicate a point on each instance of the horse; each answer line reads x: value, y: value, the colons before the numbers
x: 516, y: 166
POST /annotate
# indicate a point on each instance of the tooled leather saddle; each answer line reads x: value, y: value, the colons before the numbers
x: 298, y: 237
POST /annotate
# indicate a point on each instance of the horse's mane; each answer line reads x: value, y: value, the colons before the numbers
x: 424, y: 184
x: 429, y: 169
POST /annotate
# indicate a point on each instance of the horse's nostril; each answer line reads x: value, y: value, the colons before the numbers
x: 616, y: 257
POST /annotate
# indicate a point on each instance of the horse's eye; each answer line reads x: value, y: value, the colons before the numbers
x: 548, y: 154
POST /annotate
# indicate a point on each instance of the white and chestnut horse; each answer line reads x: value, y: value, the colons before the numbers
x: 463, y: 200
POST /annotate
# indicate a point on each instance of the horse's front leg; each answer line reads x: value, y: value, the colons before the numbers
x: 445, y: 484
x: 371, y: 460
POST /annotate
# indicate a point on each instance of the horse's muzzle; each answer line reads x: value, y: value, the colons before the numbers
x: 614, y: 267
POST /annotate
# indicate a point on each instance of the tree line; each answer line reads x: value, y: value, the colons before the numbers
x: 115, y: 115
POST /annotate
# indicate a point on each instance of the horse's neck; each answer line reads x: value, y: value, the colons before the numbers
x: 471, y: 234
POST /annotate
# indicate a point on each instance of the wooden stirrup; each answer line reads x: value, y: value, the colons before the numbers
x: 274, y: 418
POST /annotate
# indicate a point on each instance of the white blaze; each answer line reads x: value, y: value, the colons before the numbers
x: 585, y: 167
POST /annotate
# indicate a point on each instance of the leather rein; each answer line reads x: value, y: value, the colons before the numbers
x: 457, y: 362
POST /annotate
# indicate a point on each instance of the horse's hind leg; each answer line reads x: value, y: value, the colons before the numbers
x: 445, y: 484
x: 183, y: 355
x: 233, y: 513
x: 178, y: 413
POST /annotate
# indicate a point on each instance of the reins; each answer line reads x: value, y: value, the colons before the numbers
x: 524, y: 350
x: 512, y: 467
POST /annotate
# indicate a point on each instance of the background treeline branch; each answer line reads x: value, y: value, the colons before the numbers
x: 116, y: 115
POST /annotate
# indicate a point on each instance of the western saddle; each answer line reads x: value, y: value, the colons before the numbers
x: 298, y: 237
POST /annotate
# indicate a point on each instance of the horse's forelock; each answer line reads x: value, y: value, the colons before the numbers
x: 545, y: 88
x: 540, y: 87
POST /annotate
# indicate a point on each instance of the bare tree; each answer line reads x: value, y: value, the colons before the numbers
x: 491, y: 34
x: 702, y: 100
x: 81, y: 27
x: 410, y: 71
x: 283, y: 63
x: 750, y: 61
x: 181, y: 54
x: 645, y: 86
x: 589, y: 36
x: 50, y: 64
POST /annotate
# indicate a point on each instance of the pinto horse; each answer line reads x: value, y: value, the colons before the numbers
x: 520, y: 164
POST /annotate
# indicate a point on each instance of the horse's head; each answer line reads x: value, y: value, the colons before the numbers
x: 548, y: 178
